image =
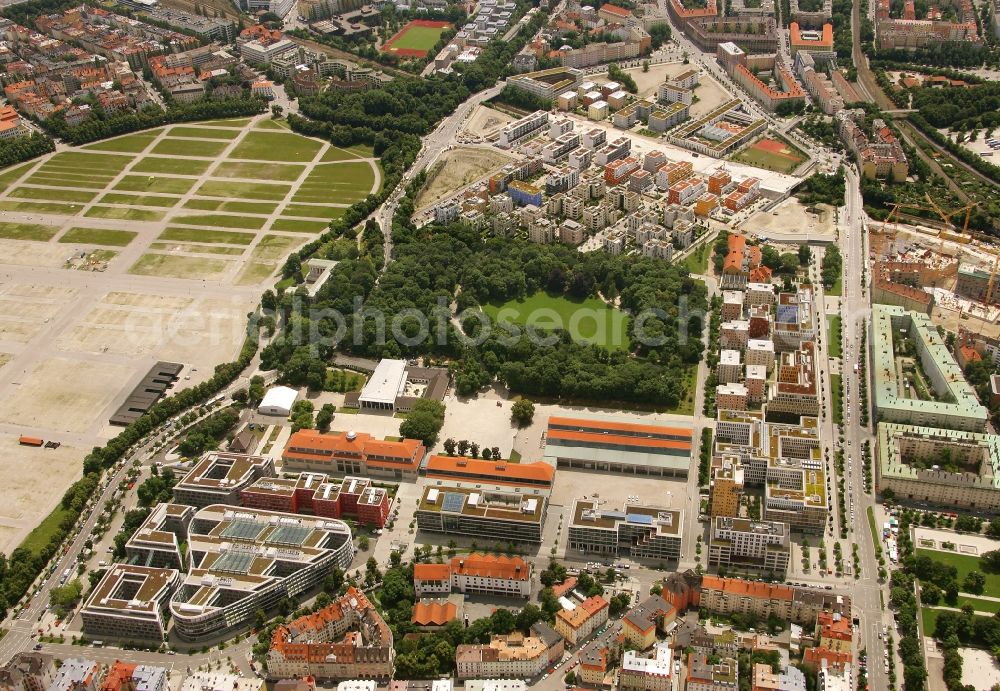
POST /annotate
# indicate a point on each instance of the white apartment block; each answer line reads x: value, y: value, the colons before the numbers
x: 760, y: 352
x: 519, y: 129
x: 729, y: 368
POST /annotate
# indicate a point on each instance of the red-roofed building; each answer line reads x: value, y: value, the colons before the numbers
x: 353, y: 453
x: 560, y: 589
x: 491, y: 574
x: 834, y: 632
x: 576, y: 624
x: 119, y: 677
x: 614, y: 13
x: 474, y: 473
x: 834, y: 660
x: 743, y: 264
x: 314, y: 493
x: 433, y: 614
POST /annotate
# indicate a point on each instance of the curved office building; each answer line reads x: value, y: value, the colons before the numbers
x: 240, y: 560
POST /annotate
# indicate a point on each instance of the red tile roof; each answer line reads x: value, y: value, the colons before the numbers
x: 492, y: 566
x: 433, y: 613
x: 616, y: 10
x: 431, y: 572
x: 501, y: 472
x: 739, y: 587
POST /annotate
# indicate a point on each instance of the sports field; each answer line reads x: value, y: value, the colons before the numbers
x: 772, y: 154
x: 416, y: 39
x: 589, y: 320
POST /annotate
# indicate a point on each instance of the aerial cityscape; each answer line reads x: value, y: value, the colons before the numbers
x: 500, y: 345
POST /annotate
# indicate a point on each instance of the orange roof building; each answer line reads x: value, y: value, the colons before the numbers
x: 800, y: 605
x: 348, y: 639
x: 834, y: 632
x: 460, y: 471
x: 578, y: 623
x: 491, y: 574
x: 119, y: 677
x: 436, y: 613
x: 742, y: 264
x: 353, y: 453
x: 810, y: 41
x: 624, y: 446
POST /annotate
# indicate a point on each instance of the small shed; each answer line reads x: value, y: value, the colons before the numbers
x: 278, y: 401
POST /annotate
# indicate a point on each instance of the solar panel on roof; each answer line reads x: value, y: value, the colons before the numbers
x: 289, y: 535
x: 639, y: 519
x: 788, y: 314
x: 453, y: 501
x: 233, y: 562
x: 242, y: 529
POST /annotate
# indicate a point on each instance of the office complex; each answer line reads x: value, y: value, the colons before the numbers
x: 315, y: 494
x: 949, y: 401
x: 243, y: 560
x: 218, y: 478
x: 642, y: 532
x: 740, y: 544
x: 347, y: 639
x: 129, y: 603
x: 505, y: 516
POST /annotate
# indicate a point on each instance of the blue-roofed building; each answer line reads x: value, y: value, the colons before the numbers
x: 640, y: 532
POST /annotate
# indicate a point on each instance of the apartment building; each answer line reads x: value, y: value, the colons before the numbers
x: 526, y: 126
x: 957, y: 406
x: 76, y: 674
x: 742, y: 264
x: 577, y: 623
x: 880, y: 156
x: 352, y: 453
x: 793, y: 319
x: 652, y: 673
x: 795, y: 493
x: 796, y: 390
x: 733, y: 396
x: 489, y: 574
x: 129, y: 603
x: 705, y: 675
x: 28, y: 671
x: 595, y: 661
x: 785, y: 89
x: 643, y: 532
x: 347, y: 639
x: 726, y: 488
x: 514, y: 656
x: 642, y: 623
x: 798, y: 605
x: 743, y: 545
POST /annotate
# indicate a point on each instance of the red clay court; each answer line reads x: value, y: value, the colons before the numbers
x: 416, y: 39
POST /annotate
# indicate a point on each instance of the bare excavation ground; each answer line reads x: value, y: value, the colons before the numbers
x: 456, y: 169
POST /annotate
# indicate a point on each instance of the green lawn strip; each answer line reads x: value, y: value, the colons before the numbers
x: 52, y: 195
x: 929, y: 617
x: 154, y: 183
x: 254, y: 272
x: 271, y: 125
x: 130, y: 143
x: 60, y: 173
x: 965, y: 563
x: 202, y: 132
x: 179, y: 267
x: 260, y: 145
x: 206, y: 235
x: 328, y: 196
x: 335, y: 153
x: 40, y: 537
x: 352, y: 172
x: 258, y: 171
x: 836, y: 398
x: 296, y: 225
x: 90, y: 161
x: 228, y: 122
x: 697, y: 261
x: 139, y: 199
x: 11, y: 175
x: 185, y: 147
x: 589, y: 319
x: 874, y: 529
x: 236, y: 207
x: 274, y: 247
x: 178, y: 166
x: 195, y: 248
x: 243, y: 190
x: 979, y: 604
x: 836, y: 289
x: 41, y: 207
x: 220, y: 221
x: 98, y: 236
x: 330, y: 212
x: 362, y: 150
x: 833, y: 335
x: 124, y: 214
x: 40, y: 179
x: 27, y: 231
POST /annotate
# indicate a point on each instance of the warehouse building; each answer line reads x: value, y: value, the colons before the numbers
x: 278, y: 401
x: 612, y: 445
